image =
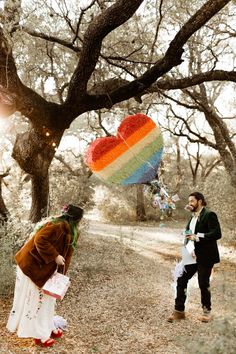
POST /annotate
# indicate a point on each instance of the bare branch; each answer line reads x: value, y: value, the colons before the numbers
x: 60, y: 158
x: 101, y: 26
x: 214, y: 75
x: 78, y: 100
x: 157, y: 29
x: 52, y: 39
x: 212, y: 166
x: 5, y: 174
x: 183, y: 104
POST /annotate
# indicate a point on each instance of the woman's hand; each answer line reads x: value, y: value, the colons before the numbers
x: 60, y: 260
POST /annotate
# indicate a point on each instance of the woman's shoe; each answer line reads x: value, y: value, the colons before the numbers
x: 48, y: 343
x: 58, y: 334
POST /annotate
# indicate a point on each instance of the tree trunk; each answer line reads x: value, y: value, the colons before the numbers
x: 225, y: 144
x: 224, y: 141
x: 140, y: 209
x: 39, y: 193
x: 3, y: 209
x: 179, y: 174
x: 34, y: 152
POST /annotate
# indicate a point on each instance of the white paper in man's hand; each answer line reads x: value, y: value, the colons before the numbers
x: 187, y: 251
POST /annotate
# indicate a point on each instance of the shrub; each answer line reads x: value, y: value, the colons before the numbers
x: 116, y: 203
x: 13, y: 235
x: 66, y: 187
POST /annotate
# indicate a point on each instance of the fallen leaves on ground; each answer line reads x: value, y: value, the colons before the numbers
x: 119, y: 301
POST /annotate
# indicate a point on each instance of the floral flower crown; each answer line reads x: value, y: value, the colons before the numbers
x: 65, y: 208
x: 72, y: 211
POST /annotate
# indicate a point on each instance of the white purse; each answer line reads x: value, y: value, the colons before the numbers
x: 57, y: 285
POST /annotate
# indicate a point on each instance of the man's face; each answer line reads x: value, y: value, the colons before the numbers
x: 194, y: 203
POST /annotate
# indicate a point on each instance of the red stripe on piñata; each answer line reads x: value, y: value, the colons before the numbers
x: 123, y: 147
x: 128, y: 126
x: 132, y: 123
x: 96, y: 150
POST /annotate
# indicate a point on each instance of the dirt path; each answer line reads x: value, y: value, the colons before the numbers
x: 122, y: 292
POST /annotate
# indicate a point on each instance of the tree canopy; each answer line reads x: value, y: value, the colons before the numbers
x: 99, y: 55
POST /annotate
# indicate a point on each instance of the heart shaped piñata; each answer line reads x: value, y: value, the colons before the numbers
x: 133, y: 156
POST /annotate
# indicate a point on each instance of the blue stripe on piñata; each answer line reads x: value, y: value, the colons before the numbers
x: 147, y: 171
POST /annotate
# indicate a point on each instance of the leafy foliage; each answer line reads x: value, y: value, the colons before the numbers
x: 70, y: 185
x: 116, y: 203
x: 13, y: 234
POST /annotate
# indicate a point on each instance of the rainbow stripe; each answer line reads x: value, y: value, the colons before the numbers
x: 131, y: 157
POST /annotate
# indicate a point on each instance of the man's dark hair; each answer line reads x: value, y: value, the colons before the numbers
x: 199, y: 196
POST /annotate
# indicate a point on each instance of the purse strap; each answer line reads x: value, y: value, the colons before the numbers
x: 64, y: 269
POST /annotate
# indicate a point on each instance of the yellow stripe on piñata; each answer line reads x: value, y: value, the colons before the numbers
x: 121, y: 148
x: 138, y: 160
x: 135, y: 150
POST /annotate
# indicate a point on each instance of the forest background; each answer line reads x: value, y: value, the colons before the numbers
x: 71, y: 71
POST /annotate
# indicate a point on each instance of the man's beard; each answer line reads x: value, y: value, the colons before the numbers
x: 195, y: 207
x: 189, y: 208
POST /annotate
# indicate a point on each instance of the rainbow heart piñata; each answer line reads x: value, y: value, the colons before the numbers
x: 131, y: 157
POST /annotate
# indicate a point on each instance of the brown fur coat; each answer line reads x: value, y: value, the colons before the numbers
x: 37, y: 257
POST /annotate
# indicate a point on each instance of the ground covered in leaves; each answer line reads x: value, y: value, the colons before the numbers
x: 120, y: 299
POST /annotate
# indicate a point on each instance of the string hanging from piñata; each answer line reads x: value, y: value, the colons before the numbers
x: 131, y: 157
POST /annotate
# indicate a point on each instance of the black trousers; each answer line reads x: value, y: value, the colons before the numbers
x: 204, y: 273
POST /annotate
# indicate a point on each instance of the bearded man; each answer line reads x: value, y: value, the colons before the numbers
x: 202, y: 231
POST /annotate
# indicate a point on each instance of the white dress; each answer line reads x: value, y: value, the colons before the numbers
x: 32, y: 311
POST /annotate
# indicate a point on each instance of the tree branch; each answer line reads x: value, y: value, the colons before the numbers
x: 171, y: 58
x: 52, y: 39
x: 211, y: 168
x: 198, y: 138
x: 21, y: 98
x: 78, y: 100
x: 102, y: 25
x: 172, y: 84
x: 5, y: 174
x: 157, y: 30
x: 101, y: 124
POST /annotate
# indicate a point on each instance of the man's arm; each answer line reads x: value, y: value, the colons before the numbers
x: 214, y: 232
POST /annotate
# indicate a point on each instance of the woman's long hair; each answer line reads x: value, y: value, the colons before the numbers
x: 54, y: 220
x: 73, y: 227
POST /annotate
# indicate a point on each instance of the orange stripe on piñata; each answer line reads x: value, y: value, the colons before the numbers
x: 132, y: 153
x: 118, y: 150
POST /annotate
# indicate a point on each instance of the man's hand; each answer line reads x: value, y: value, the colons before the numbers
x: 60, y: 260
x: 193, y: 237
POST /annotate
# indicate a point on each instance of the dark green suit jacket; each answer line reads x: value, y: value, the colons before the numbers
x: 206, y: 249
